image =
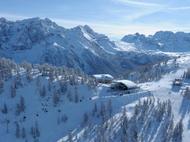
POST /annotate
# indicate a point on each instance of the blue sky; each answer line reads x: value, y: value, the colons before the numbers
x: 112, y: 17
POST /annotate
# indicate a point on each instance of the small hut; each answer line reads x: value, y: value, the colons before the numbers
x: 177, y: 82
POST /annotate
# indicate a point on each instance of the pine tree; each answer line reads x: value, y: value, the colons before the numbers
x: 64, y: 118
x: 109, y: 108
x: 103, y: 111
x: 124, y: 128
x: 5, y: 110
x: 23, y: 133
x: 7, y: 125
x: 170, y: 130
x: 70, y: 137
x: 56, y: 99
x: 76, y: 98
x: 32, y: 132
x: 63, y: 87
x: 178, y: 132
x: 49, y: 85
x: 85, y: 118
x: 29, y: 76
x: 70, y: 96
x: 187, y: 74
x: 22, y: 104
x: 18, y: 109
x: 187, y: 93
x: 1, y: 84
x: 13, y: 90
x: 134, y: 131
x: 37, y: 129
x: 17, y: 130
x: 38, y: 82
x: 95, y: 109
x: 76, y: 95
x: 43, y: 91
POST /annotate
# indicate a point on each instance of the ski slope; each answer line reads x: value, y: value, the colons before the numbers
x: 161, y: 89
x: 49, y: 116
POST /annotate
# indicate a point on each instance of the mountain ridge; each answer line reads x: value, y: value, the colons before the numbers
x: 43, y: 41
x: 162, y: 40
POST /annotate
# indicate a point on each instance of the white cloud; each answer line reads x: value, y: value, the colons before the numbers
x: 140, y: 9
x: 138, y: 14
x: 139, y: 3
x: 13, y: 16
x: 180, y: 8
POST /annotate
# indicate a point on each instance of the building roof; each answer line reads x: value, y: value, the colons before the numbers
x: 127, y: 83
x: 103, y: 76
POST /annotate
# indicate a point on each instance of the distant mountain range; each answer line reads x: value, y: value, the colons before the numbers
x: 42, y: 41
x: 162, y: 40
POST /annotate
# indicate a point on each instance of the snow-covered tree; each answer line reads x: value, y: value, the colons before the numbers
x: 186, y: 74
x: 29, y: 76
x: 187, y: 93
x: 178, y: 132
x: 124, y: 127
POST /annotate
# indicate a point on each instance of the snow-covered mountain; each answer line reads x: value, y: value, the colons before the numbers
x: 162, y: 40
x: 54, y: 97
x: 42, y: 41
x: 47, y: 104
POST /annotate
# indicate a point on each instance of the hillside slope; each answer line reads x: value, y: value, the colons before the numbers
x: 46, y: 103
x: 161, y: 116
